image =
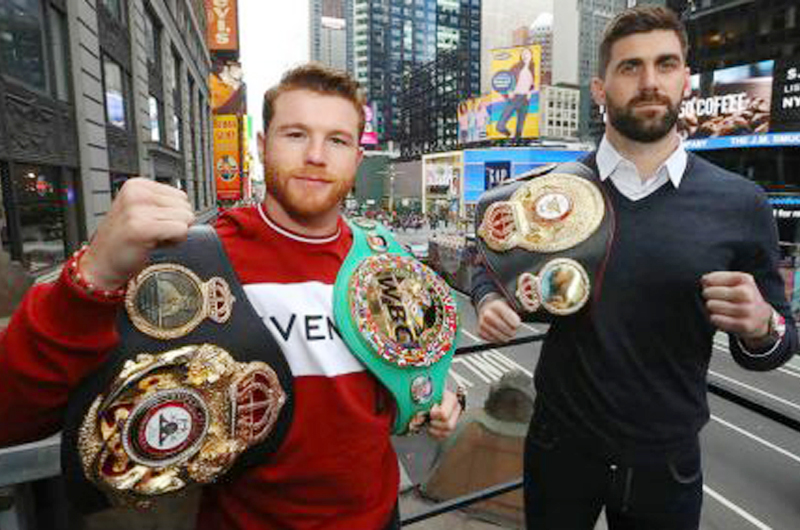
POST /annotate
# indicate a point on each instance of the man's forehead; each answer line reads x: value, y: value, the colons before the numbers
x: 309, y: 105
x: 646, y: 45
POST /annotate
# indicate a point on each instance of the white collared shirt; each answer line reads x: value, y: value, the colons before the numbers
x: 626, y: 179
x: 625, y: 176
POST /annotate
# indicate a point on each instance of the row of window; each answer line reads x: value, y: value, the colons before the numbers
x: 31, y: 55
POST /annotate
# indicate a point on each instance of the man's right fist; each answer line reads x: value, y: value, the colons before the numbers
x: 497, y: 322
x: 144, y: 215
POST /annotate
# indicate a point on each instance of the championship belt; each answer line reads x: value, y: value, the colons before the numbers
x: 399, y: 318
x: 545, y: 239
x: 197, y: 386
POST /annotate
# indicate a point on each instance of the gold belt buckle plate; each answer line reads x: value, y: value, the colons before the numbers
x: 168, y: 301
x: 550, y: 213
x: 403, y: 310
x: 176, y: 419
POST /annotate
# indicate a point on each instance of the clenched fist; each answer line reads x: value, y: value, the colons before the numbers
x: 735, y: 304
x: 144, y: 215
x: 497, y: 322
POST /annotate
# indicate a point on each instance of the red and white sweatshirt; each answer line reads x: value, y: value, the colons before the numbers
x: 336, y: 469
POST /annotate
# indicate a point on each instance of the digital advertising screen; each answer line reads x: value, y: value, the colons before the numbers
x: 752, y: 105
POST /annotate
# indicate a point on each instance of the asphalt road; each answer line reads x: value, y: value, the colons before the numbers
x: 751, y: 463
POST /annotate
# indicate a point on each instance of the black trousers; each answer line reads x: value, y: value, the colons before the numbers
x: 567, y: 485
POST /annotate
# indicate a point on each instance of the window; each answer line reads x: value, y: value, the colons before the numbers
x: 152, y: 32
x: 114, y: 91
x: 59, y: 45
x: 117, y: 180
x: 156, y: 125
x: 41, y: 215
x: 177, y: 124
x: 116, y: 8
x: 21, y: 42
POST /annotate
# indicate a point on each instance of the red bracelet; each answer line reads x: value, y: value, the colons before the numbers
x: 86, y: 287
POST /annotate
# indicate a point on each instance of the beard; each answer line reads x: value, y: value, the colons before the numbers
x: 641, y: 128
x: 306, y: 205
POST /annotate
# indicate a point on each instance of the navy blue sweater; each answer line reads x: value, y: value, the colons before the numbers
x: 628, y: 373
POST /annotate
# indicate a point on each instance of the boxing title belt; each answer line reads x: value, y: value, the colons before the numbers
x: 545, y: 239
x: 399, y: 318
x: 196, y: 388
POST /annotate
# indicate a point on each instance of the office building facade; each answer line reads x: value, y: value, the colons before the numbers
x: 91, y: 94
x: 331, y: 33
x: 392, y: 38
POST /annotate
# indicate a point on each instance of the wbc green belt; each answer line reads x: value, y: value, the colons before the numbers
x: 399, y: 318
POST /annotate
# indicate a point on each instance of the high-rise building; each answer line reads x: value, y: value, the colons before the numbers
x: 393, y: 37
x: 541, y: 33
x: 96, y: 92
x: 331, y: 33
x: 429, y: 105
x: 582, y: 22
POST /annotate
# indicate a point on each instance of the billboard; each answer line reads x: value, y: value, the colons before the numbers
x: 752, y: 105
x: 226, y: 157
x: 228, y: 95
x: 370, y: 134
x: 473, y: 119
x: 513, y: 104
x: 733, y: 101
x: 786, y: 95
x: 223, y: 25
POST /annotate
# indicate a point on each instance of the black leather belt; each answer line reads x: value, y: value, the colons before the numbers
x: 197, y: 387
x: 545, y: 240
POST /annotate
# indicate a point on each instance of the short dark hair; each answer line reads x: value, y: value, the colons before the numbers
x: 317, y: 78
x: 640, y: 19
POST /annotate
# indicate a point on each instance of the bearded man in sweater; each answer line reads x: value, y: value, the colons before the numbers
x: 336, y: 468
x: 621, y: 384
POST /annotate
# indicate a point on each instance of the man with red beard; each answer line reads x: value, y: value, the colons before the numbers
x: 621, y: 384
x: 336, y: 468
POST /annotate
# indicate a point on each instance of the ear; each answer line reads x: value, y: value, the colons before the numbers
x: 598, y: 91
x: 687, y: 83
x: 262, y: 146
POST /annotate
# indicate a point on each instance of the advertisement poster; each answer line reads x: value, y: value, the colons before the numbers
x: 734, y: 101
x: 370, y: 135
x: 513, y: 105
x: 226, y: 157
x: 223, y: 22
x: 496, y: 173
x: 227, y: 88
x: 473, y: 119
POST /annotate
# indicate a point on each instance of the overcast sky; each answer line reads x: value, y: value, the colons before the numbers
x: 273, y: 37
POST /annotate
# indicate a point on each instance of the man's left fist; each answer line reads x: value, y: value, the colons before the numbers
x: 735, y: 304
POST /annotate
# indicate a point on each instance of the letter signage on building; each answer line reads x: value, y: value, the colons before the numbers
x: 223, y: 25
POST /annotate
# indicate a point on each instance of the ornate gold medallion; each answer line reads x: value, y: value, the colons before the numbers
x: 528, y: 292
x: 175, y: 419
x: 550, y: 213
x: 377, y: 243
x: 403, y: 310
x: 564, y: 286
x: 167, y: 301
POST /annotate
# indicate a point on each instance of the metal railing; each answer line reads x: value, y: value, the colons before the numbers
x: 492, y: 491
x: 500, y: 489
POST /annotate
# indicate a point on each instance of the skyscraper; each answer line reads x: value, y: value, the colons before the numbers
x: 331, y: 33
x: 392, y: 37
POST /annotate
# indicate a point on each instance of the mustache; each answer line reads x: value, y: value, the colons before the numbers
x: 311, y: 173
x: 650, y: 97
